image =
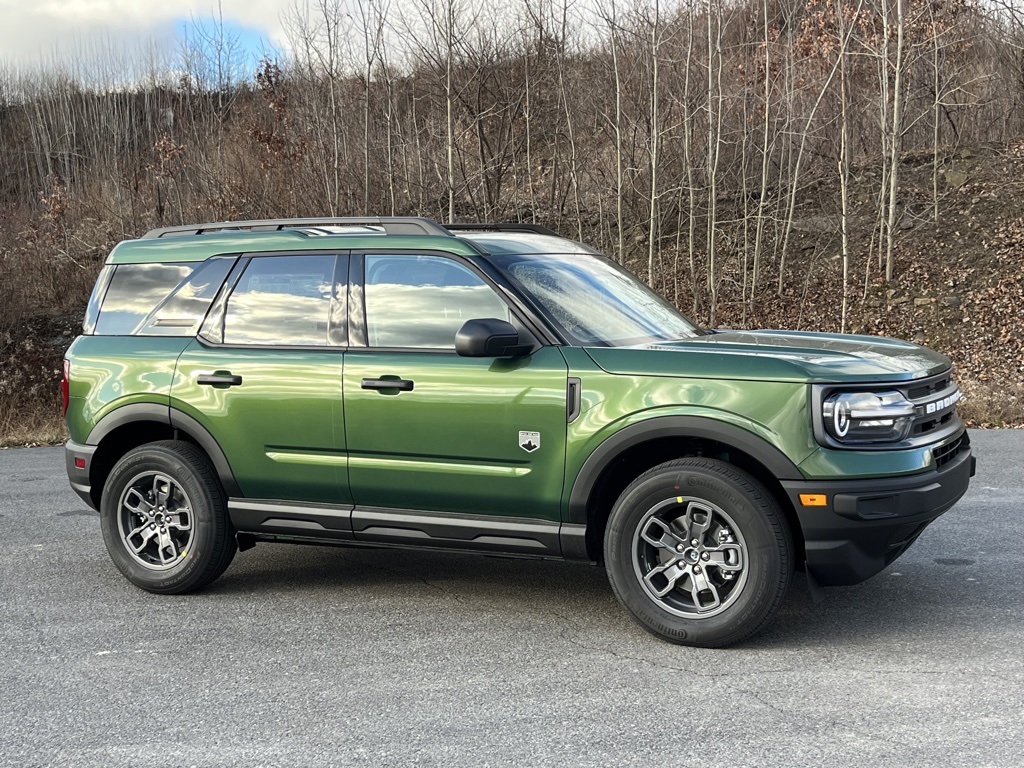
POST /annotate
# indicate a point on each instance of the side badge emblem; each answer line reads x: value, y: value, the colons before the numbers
x: 529, y: 441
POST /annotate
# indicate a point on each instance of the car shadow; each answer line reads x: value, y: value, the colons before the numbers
x: 894, y: 607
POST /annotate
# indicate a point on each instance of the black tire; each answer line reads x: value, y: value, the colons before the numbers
x: 742, y: 555
x: 169, y: 496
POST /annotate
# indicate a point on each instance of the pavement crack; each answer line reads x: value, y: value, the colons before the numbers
x: 446, y: 592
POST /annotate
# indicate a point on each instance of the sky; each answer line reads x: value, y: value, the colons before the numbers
x: 44, y: 31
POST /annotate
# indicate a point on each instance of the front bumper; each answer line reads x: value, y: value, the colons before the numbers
x: 79, y: 476
x: 866, y: 524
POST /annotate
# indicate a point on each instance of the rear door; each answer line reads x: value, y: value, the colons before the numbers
x: 427, y: 429
x: 265, y: 376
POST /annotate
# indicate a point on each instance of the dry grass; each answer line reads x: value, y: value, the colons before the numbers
x: 26, y: 427
x: 30, y: 370
x: 989, y: 407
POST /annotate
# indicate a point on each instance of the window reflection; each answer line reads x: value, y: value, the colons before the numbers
x: 182, y: 312
x: 422, y: 301
x: 281, y: 300
x: 596, y: 302
x: 135, y: 289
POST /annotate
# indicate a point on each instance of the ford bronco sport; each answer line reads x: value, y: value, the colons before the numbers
x: 496, y: 389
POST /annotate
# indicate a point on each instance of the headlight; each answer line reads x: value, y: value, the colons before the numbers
x: 867, y: 417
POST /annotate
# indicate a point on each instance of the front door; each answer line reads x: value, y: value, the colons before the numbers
x: 427, y: 429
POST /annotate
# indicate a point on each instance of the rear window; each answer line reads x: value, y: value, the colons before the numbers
x: 159, y: 299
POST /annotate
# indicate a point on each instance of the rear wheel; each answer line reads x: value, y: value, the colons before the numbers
x: 698, y: 552
x: 164, y: 518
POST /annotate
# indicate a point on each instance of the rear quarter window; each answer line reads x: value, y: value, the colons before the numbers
x: 159, y: 299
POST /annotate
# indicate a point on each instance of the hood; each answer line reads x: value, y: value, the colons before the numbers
x: 777, y: 356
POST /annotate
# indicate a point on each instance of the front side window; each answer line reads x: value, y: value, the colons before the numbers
x: 421, y: 302
x: 594, y: 301
x: 281, y: 301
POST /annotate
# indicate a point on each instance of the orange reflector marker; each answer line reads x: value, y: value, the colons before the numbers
x: 814, y: 499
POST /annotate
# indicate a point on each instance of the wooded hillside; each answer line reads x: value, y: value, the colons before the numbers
x: 820, y: 164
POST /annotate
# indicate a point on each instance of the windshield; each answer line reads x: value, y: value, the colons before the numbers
x: 594, y: 301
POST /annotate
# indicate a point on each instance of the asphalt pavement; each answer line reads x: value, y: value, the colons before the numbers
x: 321, y: 656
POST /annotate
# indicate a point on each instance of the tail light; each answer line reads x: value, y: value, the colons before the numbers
x: 65, y: 385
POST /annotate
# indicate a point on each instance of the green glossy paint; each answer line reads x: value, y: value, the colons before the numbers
x: 777, y: 412
x: 282, y: 429
x: 108, y: 372
x: 452, y: 443
x: 836, y: 465
x: 778, y: 356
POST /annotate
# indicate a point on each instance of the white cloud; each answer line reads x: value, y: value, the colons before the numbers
x: 45, y: 30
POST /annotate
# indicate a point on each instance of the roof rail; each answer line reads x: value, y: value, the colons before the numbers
x: 510, y: 226
x: 392, y: 225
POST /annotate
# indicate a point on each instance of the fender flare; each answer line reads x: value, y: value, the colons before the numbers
x: 126, y: 414
x: 730, y: 435
x: 172, y: 417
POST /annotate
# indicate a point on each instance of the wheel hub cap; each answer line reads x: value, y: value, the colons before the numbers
x: 154, y: 520
x: 689, y: 557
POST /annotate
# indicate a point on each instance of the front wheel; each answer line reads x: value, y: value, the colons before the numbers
x: 164, y: 518
x: 698, y: 552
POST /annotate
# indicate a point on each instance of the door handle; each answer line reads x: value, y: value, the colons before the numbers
x: 402, y: 385
x: 219, y: 379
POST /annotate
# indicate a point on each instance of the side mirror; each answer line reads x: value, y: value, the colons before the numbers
x: 489, y: 337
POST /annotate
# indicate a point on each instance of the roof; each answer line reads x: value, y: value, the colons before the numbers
x: 515, y: 243
x: 201, y: 241
x: 202, y: 247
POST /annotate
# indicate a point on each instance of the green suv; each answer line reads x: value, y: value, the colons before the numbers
x: 496, y: 389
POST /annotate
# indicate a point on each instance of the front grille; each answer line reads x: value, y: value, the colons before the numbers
x: 918, y: 391
x: 930, y: 425
x: 932, y: 419
x: 946, y: 453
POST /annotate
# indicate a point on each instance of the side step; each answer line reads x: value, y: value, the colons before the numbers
x: 266, y: 519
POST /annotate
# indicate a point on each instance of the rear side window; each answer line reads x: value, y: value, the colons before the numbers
x: 282, y: 300
x: 155, y: 299
x: 135, y: 290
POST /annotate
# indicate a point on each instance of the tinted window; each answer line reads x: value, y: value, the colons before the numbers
x: 282, y: 300
x: 92, y: 311
x: 181, y: 313
x: 422, y: 301
x: 134, y: 291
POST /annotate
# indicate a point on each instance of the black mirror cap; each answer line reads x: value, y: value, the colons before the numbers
x: 489, y: 337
